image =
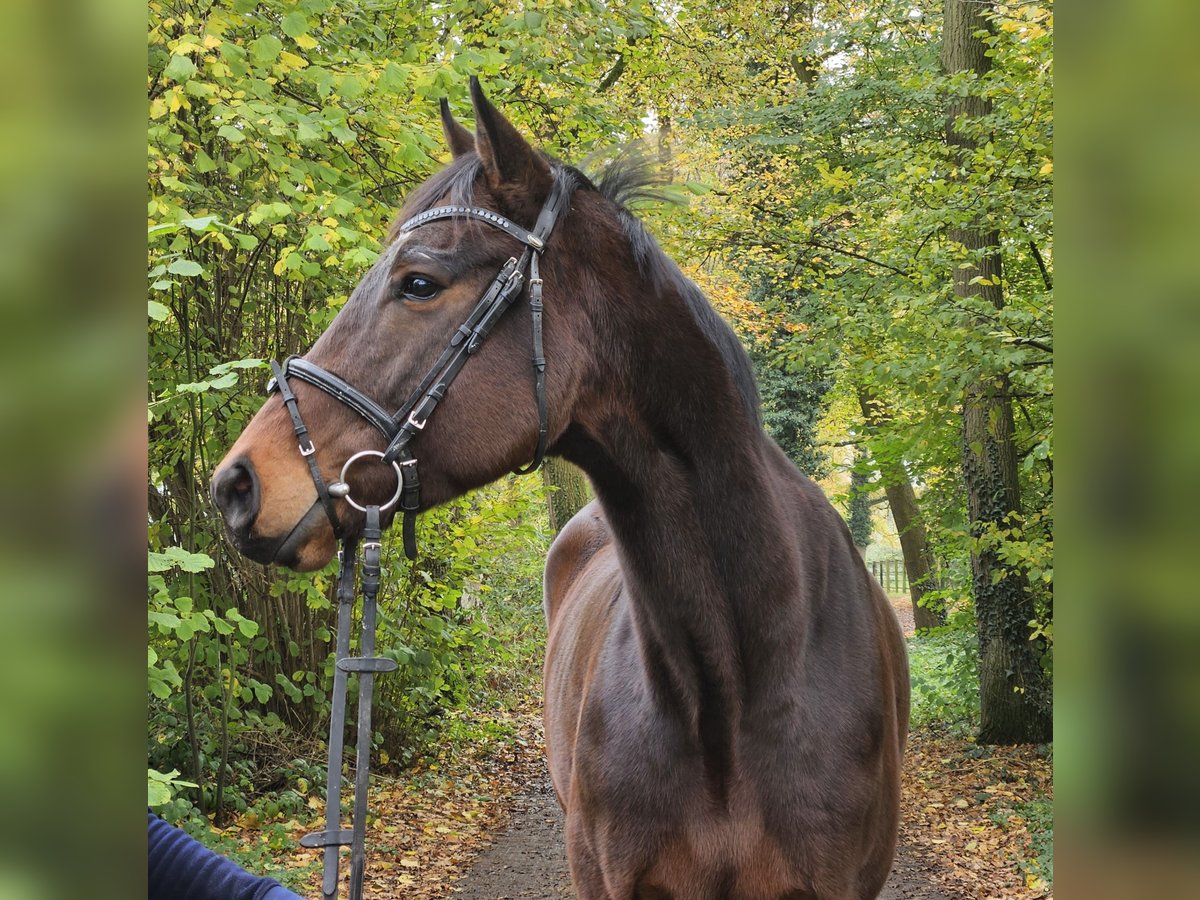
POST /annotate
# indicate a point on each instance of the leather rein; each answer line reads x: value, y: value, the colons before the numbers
x: 400, y: 429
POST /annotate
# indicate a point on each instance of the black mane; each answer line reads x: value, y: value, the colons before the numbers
x: 633, y: 176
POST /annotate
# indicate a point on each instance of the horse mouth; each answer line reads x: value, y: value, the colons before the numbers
x: 289, y: 550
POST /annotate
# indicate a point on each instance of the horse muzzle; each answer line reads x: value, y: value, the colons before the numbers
x: 237, y: 494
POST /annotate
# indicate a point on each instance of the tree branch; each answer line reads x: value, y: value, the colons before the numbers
x: 844, y: 252
x: 613, y: 74
x: 1041, y: 264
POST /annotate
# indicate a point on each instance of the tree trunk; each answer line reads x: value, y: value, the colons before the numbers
x: 1013, y: 690
x: 919, y: 563
x: 570, y: 490
x: 918, y: 558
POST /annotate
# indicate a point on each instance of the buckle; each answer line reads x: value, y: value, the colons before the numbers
x: 412, y: 420
x: 309, y: 450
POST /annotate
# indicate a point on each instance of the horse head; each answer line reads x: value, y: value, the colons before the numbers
x: 424, y: 289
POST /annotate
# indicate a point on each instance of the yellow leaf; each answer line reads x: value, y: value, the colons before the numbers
x: 410, y: 863
x: 1047, y: 168
x: 291, y: 60
x: 306, y: 41
x: 158, y: 108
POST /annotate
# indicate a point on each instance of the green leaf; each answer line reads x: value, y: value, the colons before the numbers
x: 180, y: 69
x: 306, y: 132
x: 161, y: 690
x: 249, y: 363
x: 199, y: 224
x: 178, y: 558
x: 157, y: 794
x: 186, y: 267
x: 157, y: 311
x: 266, y: 48
x: 166, y: 621
x: 203, y: 162
x: 295, y: 24
x: 231, y: 133
x: 248, y: 627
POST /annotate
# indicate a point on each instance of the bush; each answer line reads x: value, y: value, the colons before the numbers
x: 944, y: 670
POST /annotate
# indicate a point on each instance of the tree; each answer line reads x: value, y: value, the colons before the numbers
x: 919, y: 563
x: 569, y: 492
x: 1014, y: 694
x: 859, y: 519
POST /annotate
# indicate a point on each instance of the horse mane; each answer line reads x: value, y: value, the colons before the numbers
x: 629, y: 176
x: 633, y: 176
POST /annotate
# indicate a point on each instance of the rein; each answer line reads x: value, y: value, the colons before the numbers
x: 399, y: 429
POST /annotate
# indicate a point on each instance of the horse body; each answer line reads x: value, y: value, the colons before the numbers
x: 726, y: 687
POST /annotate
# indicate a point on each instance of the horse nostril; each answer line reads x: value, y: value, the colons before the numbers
x: 235, y: 492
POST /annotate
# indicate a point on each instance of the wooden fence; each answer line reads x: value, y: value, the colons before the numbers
x: 891, y: 574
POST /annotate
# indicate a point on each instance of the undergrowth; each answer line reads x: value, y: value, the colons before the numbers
x: 944, y: 672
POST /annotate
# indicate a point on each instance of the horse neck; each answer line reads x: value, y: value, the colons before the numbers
x: 687, y: 481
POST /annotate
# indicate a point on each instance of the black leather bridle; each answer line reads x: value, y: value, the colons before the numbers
x: 400, y: 429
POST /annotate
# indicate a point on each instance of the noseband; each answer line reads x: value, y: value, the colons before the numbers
x: 399, y: 430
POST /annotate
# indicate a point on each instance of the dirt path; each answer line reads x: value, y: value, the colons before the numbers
x: 529, y: 860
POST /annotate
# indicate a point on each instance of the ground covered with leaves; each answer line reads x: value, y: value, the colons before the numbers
x: 976, y: 821
x: 980, y: 817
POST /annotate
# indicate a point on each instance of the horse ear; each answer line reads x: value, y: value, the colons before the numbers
x: 460, y: 140
x: 508, y: 159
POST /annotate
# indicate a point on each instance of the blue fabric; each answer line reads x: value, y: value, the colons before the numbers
x: 181, y: 868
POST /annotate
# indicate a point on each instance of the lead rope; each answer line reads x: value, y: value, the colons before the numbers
x: 366, y: 666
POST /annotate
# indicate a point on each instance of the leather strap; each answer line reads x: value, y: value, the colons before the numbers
x: 307, y: 449
x: 476, y: 212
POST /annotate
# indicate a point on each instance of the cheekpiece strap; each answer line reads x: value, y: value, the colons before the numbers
x: 307, y: 449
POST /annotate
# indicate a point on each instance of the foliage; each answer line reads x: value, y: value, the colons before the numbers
x: 438, y: 615
x: 943, y: 666
x: 838, y: 192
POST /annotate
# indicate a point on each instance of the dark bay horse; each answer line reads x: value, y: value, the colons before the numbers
x: 726, y: 686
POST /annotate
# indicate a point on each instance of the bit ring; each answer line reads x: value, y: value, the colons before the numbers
x: 341, y: 488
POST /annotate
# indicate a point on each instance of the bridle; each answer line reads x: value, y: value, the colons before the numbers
x: 400, y: 429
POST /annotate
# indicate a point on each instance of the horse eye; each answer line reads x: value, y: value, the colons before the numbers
x: 417, y: 287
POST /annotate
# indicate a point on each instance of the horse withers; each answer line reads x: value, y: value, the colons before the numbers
x: 726, y: 688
